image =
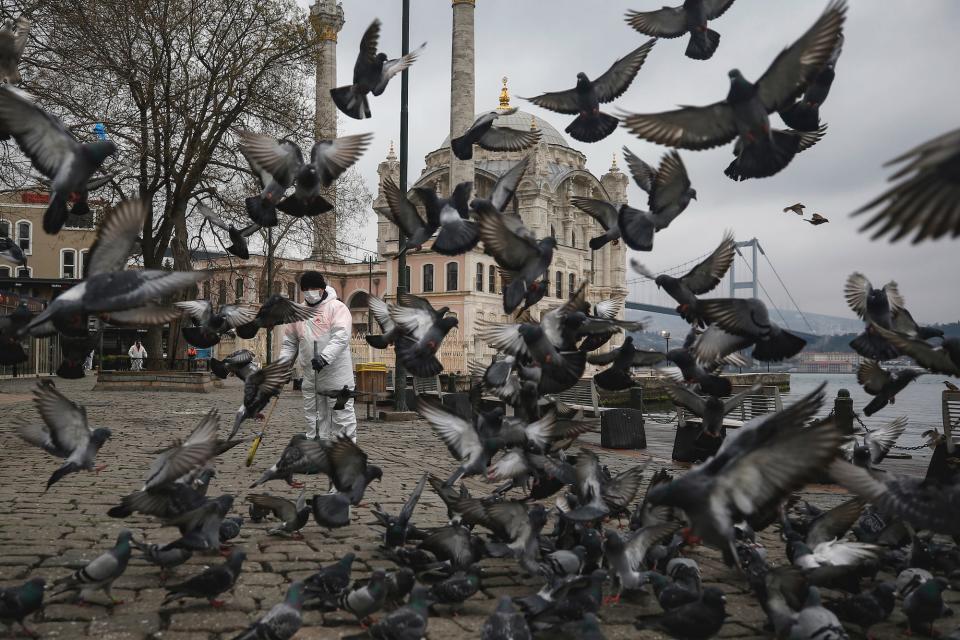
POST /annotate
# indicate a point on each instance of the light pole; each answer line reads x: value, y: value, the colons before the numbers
x: 400, y: 375
x: 666, y: 336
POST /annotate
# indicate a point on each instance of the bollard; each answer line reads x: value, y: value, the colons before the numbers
x: 843, y: 412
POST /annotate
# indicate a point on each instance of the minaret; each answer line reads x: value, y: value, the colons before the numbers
x: 326, y: 17
x: 613, y: 255
x: 462, y: 85
x: 386, y: 230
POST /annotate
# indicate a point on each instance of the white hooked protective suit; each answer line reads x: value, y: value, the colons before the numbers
x: 330, y: 331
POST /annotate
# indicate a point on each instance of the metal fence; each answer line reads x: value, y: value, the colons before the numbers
x: 454, y: 354
x: 43, y: 358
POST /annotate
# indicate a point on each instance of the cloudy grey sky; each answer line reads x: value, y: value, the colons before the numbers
x: 889, y: 94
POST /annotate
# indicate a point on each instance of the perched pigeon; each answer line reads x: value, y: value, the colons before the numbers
x: 209, y: 325
x: 457, y: 588
x: 584, y: 100
x: 13, y: 38
x: 331, y: 580
x: 711, y: 409
x: 54, y: 152
x: 275, y: 163
x: 882, y: 384
x: 275, y: 310
x: 259, y: 387
x: 760, y: 151
x: 11, y: 251
x: 211, y: 582
x: 795, y: 208
x: 668, y: 188
x: 691, y: 17
x: 696, y: 621
x: 868, y: 608
x: 110, y: 290
x: 165, y: 559
x: 749, y: 320
x: 396, y: 528
x: 817, y: 219
x: 924, y: 605
x: 755, y: 467
x: 366, y: 600
x: 804, y: 114
x: 634, y: 226
x: 292, y: 516
x: 408, y: 622
x: 457, y: 233
x: 331, y: 510
x: 454, y: 544
x: 282, y: 621
x: 927, y: 197
x: 17, y: 603
x: 301, y: 455
x: 925, y: 505
x: 238, y: 237
x: 701, y: 279
x: 485, y: 134
x: 944, y: 359
x: 99, y: 573
x: 64, y: 432
x: 371, y: 73
x: 328, y: 160
x: 505, y: 623
x: 816, y: 622
x: 240, y: 363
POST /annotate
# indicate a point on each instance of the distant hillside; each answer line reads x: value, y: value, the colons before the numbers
x: 820, y: 324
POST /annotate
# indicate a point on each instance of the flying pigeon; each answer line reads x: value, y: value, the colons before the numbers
x: 283, y: 159
x: 457, y: 233
x: 351, y: 473
x: 64, y: 432
x: 240, y: 363
x: 804, y: 114
x: 396, y: 528
x: 816, y: 219
x: 185, y: 457
x: 292, y: 516
x: 282, y: 621
x: 109, y: 290
x: 760, y: 151
x: 403, y: 213
x: 927, y: 197
x: 259, y: 387
x: 796, y: 208
x: 462, y: 437
x: 882, y: 384
x: 691, y: 17
x: 200, y: 526
x: 421, y: 333
x: 748, y: 319
x: 11, y: 251
x: 634, y: 226
x: 513, y: 522
x: 211, y: 582
x: 711, y: 409
x: 876, y: 444
x: 13, y: 38
x: 371, y: 73
x: 328, y: 160
x: 301, y: 455
x: 503, y: 190
x: 701, y: 279
x: 209, y: 325
x: 625, y: 556
x: 54, y: 152
x: 485, y: 134
x: 274, y: 311
x: 238, y: 237
x: 944, y: 359
x: 755, y: 467
x: 17, y: 603
x: 99, y: 573
x: 668, y: 188
x: 584, y: 100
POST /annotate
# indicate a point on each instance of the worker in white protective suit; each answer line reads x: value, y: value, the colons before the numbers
x: 322, y: 348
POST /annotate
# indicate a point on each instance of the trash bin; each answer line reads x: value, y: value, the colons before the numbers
x: 371, y: 380
x: 691, y: 446
x: 622, y: 429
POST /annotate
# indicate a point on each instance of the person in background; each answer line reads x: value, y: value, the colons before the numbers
x: 321, y: 346
x: 191, y: 357
x: 137, y: 355
x: 88, y: 363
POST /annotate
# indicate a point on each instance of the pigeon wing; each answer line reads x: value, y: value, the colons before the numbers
x: 670, y: 182
x: 643, y: 174
x: 600, y: 210
x: 334, y: 157
x: 41, y: 136
x: 282, y: 508
x: 637, y: 546
x: 116, y: 237
x: 855, y: 291
x: 459, y: 435
x: 668, y: 22
x: 66, y: 420
x: 693, y: 128
x: 933, y: 359
x: 686, y: 399
x: 395, y: 66
x: 510, y: 247
x: 381, y: 313
x: 507, y: 139
x: 400, y: 211
x: 407, y: 512
x: 507, y: 184
x: 559, y: 101
x: 198, y: 310
x: 265, y: 153
x: 872, y: 377
x: 349, y: 463
x: 211, y: 216
x: 620, y: 75
x: 236, y: 315
x: 707, y: 274
x: 833, y: 524
x: 881, y: 440
x: 503, y: 337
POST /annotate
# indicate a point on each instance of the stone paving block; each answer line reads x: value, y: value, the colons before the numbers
x: 211, y: 621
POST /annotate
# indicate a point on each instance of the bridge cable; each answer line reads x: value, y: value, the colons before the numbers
x: 795, y: 305
x: 764, y: 289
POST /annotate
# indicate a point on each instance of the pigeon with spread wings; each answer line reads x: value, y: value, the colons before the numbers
x: 209, y: 325
x: 259, y: 387
x: 275, y: 310
x: 668, y: 188
x: 238, y: 237
x: 275, y: 162
x: 486, y: 135
x: 690, y: 17
x: 328, y: 160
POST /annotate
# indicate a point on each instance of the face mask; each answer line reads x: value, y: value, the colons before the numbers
x: 313, y: 296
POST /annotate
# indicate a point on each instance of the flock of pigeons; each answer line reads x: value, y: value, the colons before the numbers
x: 899, y: 525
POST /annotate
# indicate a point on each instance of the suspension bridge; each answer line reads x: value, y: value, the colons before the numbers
x: 644, y: 295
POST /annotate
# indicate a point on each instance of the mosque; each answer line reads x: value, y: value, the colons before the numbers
x: 469, y: 284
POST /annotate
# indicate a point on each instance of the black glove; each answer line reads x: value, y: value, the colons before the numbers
x: 318, y: 363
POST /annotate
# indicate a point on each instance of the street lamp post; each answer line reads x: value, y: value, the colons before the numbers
x: 400, y: 375
x: 666, y: 336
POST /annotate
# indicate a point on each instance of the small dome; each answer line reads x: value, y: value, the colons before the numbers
x: 521, y: 120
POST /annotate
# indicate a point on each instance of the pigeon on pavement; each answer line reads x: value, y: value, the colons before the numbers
x: 408, y: 622
x: 366, y: 600
x: 371, y: 73
x: 505, y: 623
x: 584, y: 100
x: 211, y: 582
x: 396, y: 528
x: 282, y: 621
x: 332, y: 580
x: 99, y: 573
x: 760, y: 151
x: 64, y: 432
x: 486, y: 135
x: 20, y: 602
x: 626, y: 556
x: 695, y: 621
x: 691, y: 17
x: 292, y: 516
x: 165, y: 559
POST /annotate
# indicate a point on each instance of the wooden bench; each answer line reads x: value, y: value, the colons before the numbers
x: 767, y: 400
x: 582, y: 395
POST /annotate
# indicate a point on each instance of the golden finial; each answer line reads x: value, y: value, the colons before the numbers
x: 614, y: 167
x: 533, y: 123
x: 391, y: 155
x: 504, y: 95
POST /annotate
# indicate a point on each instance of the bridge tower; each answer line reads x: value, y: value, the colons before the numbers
x: 746, y: 284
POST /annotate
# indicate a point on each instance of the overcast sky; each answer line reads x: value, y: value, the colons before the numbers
x: 890, y: 93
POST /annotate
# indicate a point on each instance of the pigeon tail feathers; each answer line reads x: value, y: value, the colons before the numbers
x: 592, y: 128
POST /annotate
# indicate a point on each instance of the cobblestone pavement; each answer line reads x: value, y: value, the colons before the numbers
x: 50, y: 534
